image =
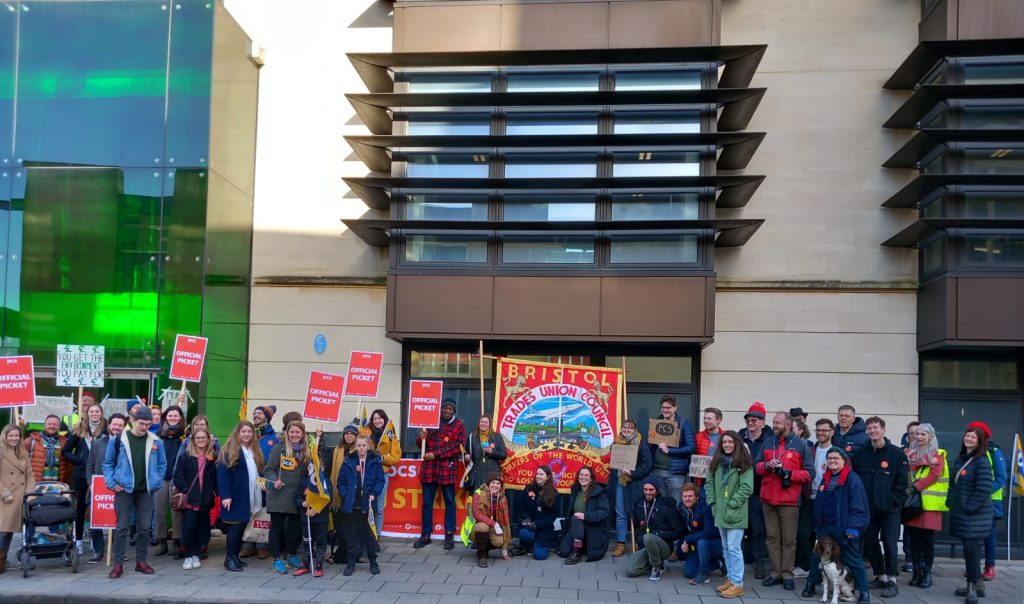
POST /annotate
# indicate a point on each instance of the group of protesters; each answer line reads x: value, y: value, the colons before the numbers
x: 769, y: 494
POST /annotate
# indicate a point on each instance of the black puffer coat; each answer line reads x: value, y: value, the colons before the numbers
x: 970, y: 497
x: 595, y: 521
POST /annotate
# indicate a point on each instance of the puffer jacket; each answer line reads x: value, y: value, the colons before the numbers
x: 698, y: 523
x: 348, y: 481
x: 796, y: 458
x: 664, y: 521
x: 856, y: 438
x: 679, y: 457
x: 595, y: 520
x: 970, y: 497
x: 37, y: 455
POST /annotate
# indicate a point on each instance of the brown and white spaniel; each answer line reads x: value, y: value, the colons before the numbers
x: 835, y: 576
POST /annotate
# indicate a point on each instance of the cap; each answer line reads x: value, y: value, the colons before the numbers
x: 846, y: 456
x: 756, y: 410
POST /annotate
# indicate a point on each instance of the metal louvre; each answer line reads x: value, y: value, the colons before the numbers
x: 929, y: 139
x: 926, y: 227
x: 927, y: 97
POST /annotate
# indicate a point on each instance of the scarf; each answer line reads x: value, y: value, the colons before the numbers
x: 170, y: 431
x: 337, y: 459
x: 725, y: 462
x: 255, y: 492
x: 622, y: 440
x: 93, y: 427
x: 52, y: 445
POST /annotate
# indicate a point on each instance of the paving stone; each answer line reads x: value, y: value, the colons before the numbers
x: 598, y: 596
x: 517, y: 592
x: 336, y: 597
x: 478, y: 590
x: 440, y: 588
x: 557, y: 593
x: 400, y: 587
x: 502, y: 580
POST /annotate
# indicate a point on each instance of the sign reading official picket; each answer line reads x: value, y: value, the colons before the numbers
x: 364, y: 374
x: 103, y: 516
x: 187, y: 362
x: 323, y: 396
x: 80, y: 365
x: 17, y: 382
x: 425, y: 403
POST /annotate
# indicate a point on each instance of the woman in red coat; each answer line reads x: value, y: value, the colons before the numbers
x: 931, y: 479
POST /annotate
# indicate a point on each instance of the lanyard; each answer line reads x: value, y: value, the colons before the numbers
x: 647, y: 516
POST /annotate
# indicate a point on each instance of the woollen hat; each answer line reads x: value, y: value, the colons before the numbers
x: 351, y: 428
x: 144, y: 413
x: 653, y: 481
x: 981, y: 426
x: 268, y: 411
x: 846, y: 456
x: 756, y: 410
x: 448, y: 402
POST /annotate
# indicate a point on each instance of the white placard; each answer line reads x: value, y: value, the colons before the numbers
x: 80, y: 365
x: 699, y: 465
x: 111, y: 406
x: 48, y: 405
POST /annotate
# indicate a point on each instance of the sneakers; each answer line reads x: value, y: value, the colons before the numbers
x: 300, y: 571
x: 187, y: 564
x: 293, y: 562
x: 95, y: 558
x: 878, y: 584
x: 116, y: 571
x: 989, y: 574
x: 799, y: 573
x: 620, y: 550
x: 656, y: 573
x: 318, y: 571
x: 700, y: 579
x: 195, y: 562
x: 733, y: 591
x: 724, y: 586
x: 280, y: 568
x: 142, y: 567
x: 890, y: 590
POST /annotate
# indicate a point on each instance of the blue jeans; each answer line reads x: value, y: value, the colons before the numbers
x: 704, y: 559
x: 527, y: 538
x: 378, y: 507
x: 427, y: 517
x: 849, y: 550
x: 621, y: 513
x: 732, y: 544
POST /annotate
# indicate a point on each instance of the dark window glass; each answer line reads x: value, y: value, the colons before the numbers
x: 994, y: 116
x: 549, y: 208
x: 1002, y: 160
x: 452, y: 124
x: 655, y: 206
x: 654, y: 249
x: 656, y: 122
x: 551, y: 123
x: 656, y: 369
x: 933, y: 208
x: 553, y: 82
x: 446, y: 248
x: 985, y: 204
x: 987, y: 249
x: 674, y: 79
x: 548, y: 249
x: 448, y: 365
x: 657, y: 163
x: 444, y: 206
x: 1002, y: 72
x: 932, y: 256
x: 969, y: 374
x: 550, y: 165
x: 449, y: 82
x: 447, y: 165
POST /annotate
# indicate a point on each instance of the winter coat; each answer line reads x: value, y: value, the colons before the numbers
x: 16, y: 479
x: 595, y: 521
x: 76, y: 451
x: 1000, y: 477
x: 292, y: 473
x: 698, y: 523
x: 970, y: 497
x: 704, y: 441
x: 172, y: 445
x: 348, y: 481
x: 633, y: 490
x: 930, y: 520
x: 542, y: 516
x: 847, y: 502
x: 484, y: 464
x: 390, y: 451
x: 94, y: 465
x: 679, y: 457
x: 756, y: 447
x: 268, y: 438
x: 37, y: 452
x: 483, y: 512
x: 233, y: 484
x: 885, y: 474
x: 796, y: 459
x: 856, y: 438
x: 658, y: 517
x: 727, y: 492
x: 117, y: 464
x: 184, y: 479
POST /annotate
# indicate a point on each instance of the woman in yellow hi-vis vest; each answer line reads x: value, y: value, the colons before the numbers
x: 931, y: 479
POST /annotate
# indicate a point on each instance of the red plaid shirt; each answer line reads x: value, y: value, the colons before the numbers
x: 446, y: 444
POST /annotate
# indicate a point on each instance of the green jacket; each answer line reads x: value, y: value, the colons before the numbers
x: 727, y: 494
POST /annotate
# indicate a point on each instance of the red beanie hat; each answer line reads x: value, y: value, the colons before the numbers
x: 756, y: 410
x: 982, y: 426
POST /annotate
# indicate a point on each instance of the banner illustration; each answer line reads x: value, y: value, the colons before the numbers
x: 562, y: 416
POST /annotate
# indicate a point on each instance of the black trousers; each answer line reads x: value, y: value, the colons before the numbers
x: 358, y: 536
x: 973, y: 549
x: 81, y: 489
x: 195, y: 530
x: 922, y: 546
x: 883, y: 529
x: 805, y: 535
x: 234, y: 538
x: 317, y: 533
x: 285, y: 534
x: 757, y: 534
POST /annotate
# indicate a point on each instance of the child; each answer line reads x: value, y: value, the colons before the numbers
x: 360, y: 482
x: 317, y: 494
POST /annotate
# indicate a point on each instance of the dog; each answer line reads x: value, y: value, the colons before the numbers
x: 835, y: 576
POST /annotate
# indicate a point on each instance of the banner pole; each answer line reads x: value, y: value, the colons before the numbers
x: 359, y: 412
x: 81, y: 392
x: 110, y: 544
x: 625, y: 398
x: 482, y: 397
x: 1009, y: 497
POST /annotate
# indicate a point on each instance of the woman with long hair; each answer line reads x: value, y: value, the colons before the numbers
x: 16, y: 479
x: 360, y: 482
x: 587, y: 537
x: 171, y: 433
x: 239, y: 466
x: 626, y: 486
x: 970, y: 507
x: 537, y: 525
x: 729, y: 485
x: 76, y: 450
x: 390, y: 451
x: 286, y: 475
x: 486, y: 450
x: 490, y: 511
x: 930, y: 475
x: 195, y: 474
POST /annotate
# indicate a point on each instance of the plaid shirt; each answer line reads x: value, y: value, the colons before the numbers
x: 445, y: 443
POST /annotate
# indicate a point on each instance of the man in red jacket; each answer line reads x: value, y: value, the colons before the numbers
x: 707, y: 439
x: 785, y: 465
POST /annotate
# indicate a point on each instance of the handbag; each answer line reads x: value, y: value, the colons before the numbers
x: 913, y: 506
x: 179, y: 501
x: 258, y: 529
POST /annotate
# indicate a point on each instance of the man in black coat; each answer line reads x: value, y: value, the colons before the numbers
x: 885, y: 471
x: 657, y: 525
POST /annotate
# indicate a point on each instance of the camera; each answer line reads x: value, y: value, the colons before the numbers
x: 785, y: 475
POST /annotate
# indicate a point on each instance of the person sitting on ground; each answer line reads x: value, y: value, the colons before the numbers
x: 701, y: 543
x: 537, y: 525
x: 588, y: 526
x: 656, y: 525
x: 490, y: 510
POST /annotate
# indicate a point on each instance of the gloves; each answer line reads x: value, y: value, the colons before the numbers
x: 852, y: 533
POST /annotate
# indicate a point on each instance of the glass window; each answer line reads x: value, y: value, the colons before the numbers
x: 548, y: 249
x: 655, y: 206
x: 446, y: 248
x: 449, y: 82
x: 990, y: 249
x: 973, y: 375
x: 657, y: 163
x: 933, y: 207
x: 655, y: 369
x: 551, y: 165
x: 447, y: 365
x: 448, y: 165
x: 1005, y: 160
x: 931, y: 256
x: 988, y: 204
x: 656, y: 122
x: 674, y: 79
x: 653, y: 249
x: 1003, y: 72
x: 567, y: 81
x: 933, y: 164
x: 561, y: 359
x: 444, y: 206
x: 452, y: 124
x: 994, y: 116
x: 549, y: 208
x: 551, y: 123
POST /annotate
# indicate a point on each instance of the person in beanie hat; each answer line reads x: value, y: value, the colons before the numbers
x: 441, y: 469
x: 334, y: 463
x: 656, y: 526
x: 754, y: 437
x: 493, y: 526
x: 262, y: 416
x: 1000, y: 478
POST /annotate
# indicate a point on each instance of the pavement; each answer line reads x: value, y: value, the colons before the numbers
x: 433, y: 576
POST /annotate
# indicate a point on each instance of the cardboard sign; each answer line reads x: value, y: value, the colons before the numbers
x: 111, y: 406
x: 102, y: 515
x: 404, y: 501
x: 189, y: 355
x: 663, y: 431
x: 699, y: 465
x: 624, y: 457
x: 48, y: 405
x: 80, y: 365
x: 425, y: 403
x: 17, y: 382
x: 364, y: 374
x: 323, y: 396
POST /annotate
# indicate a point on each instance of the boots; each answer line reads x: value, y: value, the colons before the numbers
x: 449, y: 541
x: 971, y: 593
x: 163, y: 548
x: 916, y: 579
x: 179, y: 551
x: 574, y: 557
x: 483, y: 546
x: 620, y: 550
x: 926, y: 577
x: 3, y: 561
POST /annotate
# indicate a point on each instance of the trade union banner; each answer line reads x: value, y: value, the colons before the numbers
x: 562, y: 416
x: 404, y: 503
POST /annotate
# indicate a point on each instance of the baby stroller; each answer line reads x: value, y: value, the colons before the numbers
x: 52, y: 503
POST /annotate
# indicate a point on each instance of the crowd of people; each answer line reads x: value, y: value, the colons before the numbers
x: 769, y: 493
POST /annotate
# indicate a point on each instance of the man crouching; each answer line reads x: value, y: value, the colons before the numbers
x: 655, y: 525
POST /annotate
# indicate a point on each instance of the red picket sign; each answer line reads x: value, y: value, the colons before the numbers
x: 189, y: 355
x: 102, y: 506
x: 364, y: 374
x: 17, y: 382
x: 425, y: 403
x: 323, y: 396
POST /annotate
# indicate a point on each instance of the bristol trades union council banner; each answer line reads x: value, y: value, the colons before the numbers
x: 562, y: 416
